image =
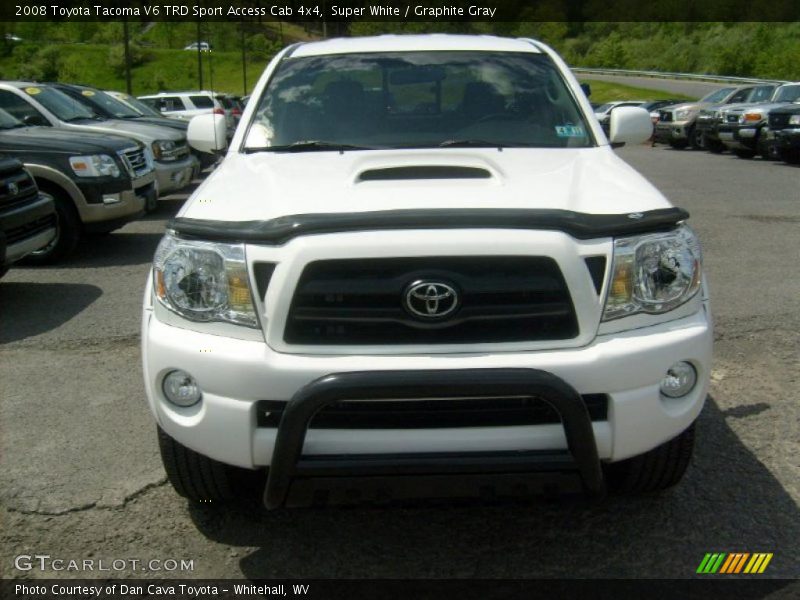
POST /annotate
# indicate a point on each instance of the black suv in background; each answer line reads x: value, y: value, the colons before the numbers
x: 27, y: 216
x: 98, y: 182
x: 784, y: 124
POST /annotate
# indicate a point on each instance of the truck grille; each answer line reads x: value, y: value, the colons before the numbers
x: 779, y: 120
x: 136, y: 161
x: 16, y: 188
x: 732, y: 118
x: 502, y: 299
x: 434, y: 413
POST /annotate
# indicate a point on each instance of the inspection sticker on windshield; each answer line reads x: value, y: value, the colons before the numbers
x: 567, y: 131
x: 32, y: 90
x: 87, y: 93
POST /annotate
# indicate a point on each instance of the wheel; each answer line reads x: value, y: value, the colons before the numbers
x: 744, y: 153
x: 68, y: 231
x: 194, y: 476
x: 769, y: 152
x: 660, y: 468
x: 715, y: 146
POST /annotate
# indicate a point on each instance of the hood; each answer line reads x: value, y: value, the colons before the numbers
x: 144, y: 132
x: 163, y: 122
x: 61, y: 141
x: 264, y: 186
x: 764, y: 107
x: 693, y: 106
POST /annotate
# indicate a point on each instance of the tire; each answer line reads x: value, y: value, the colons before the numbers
x: 744, y: 153
x: 791, y: 156
x: 68, y: 230
x: 656, y: 470
x: 194, y: 476
x: 715, y: 146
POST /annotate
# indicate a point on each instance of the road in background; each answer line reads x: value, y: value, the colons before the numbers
x: 694, y: 89
x: 81, y: 476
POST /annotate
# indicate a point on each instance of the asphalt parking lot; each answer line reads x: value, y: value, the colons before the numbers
x: 81, y: 477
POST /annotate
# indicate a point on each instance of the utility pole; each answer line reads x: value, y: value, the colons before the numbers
x: 128, y: 86
x: 244, y: 63
x: 199, y: 59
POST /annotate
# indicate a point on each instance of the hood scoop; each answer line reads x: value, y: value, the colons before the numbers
x: 412, y: 172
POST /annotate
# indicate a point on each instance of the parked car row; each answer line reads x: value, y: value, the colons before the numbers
x: 748, y: 120
x: 76, y: 160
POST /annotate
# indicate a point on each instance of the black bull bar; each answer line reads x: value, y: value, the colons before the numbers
x: 289, y: 467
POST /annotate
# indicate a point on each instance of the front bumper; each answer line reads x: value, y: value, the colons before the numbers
x: 26, y: 228
x: 788, y: 139
x: 672, y: 131
x: 175, y: 175
x: 236, y: 374
x: 739, y: 137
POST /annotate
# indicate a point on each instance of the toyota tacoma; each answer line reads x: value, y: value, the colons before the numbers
x: 421, y: 268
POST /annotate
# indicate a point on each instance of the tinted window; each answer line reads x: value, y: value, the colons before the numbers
x: 58, y: 103
x: 106, y: 104
x: 741, y: 95
x: 788, y: 93
x: 202, y: 101
x: 169, y: 103
x: 7, y: 121
x: 718, y: 96
x: 420, y: 99
x: 762, y: 93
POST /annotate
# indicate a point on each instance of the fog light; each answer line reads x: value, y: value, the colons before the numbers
x: 111, y: 199
x: 181, y: 388
x: 679, y: 380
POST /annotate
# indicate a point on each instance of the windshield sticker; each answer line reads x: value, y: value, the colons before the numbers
x: 32, y: 90
x: 87, y: 93
x: 569, y: 131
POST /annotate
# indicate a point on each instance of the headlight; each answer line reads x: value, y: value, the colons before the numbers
x: 204, y: 281
x: 751, y: 117
x: 794, y: 120
x: 683, y: 114
x: 96, y: 165
x: 654, y: 273
x: 162, y: 149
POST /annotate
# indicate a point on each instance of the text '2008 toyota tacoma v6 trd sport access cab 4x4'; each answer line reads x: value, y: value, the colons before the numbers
x: 421, y: 262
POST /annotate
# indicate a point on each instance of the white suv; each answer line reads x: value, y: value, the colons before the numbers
x: 421, y: 262
x: 187, y: 105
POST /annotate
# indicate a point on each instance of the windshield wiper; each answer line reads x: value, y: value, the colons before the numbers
x: 308, y: 146
x: 470, y: 143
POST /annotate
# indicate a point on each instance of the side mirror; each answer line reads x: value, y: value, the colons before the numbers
x: 629, y: 125
x: 207, y: 133
x: 587, y: 89
x: 35, y: 121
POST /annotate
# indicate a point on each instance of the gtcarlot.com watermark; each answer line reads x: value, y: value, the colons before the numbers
x: 45, y: 562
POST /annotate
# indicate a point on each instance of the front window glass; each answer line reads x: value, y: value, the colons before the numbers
x: 58, y: 103
x: 108, y: 105
x: 787, y: 93
x: 8, y: 121
x: 419, y: 99
x: 718, y: 96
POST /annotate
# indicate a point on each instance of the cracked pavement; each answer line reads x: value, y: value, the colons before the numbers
x: 81, y: 476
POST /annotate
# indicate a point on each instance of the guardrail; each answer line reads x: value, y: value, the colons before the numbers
x: 663, y: 75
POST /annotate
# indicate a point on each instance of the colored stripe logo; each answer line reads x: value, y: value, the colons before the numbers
x: 734, y: 563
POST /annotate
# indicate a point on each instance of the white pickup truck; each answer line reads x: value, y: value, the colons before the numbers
x: 421, y: 268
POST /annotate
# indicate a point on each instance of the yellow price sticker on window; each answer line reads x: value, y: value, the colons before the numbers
x: 33, y: 90
x: 87, y: 93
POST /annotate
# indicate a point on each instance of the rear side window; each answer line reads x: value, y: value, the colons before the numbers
x: 169, y: 103
x: 202, y: 101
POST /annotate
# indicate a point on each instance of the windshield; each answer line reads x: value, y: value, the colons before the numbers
x: 603, y: 108
x: 419, y: 99
x: 106, y: 104
x: 58, y: 103
x: 787, y: 93
x: 718, y: 96
x: 141, y: 107
x: 8, y: 121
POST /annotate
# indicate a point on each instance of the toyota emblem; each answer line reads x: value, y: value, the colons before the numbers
x: 431, y: 299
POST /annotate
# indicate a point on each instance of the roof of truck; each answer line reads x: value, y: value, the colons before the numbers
x: 411, y: 43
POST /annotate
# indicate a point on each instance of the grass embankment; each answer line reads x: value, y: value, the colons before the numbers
x: 605, y: 91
